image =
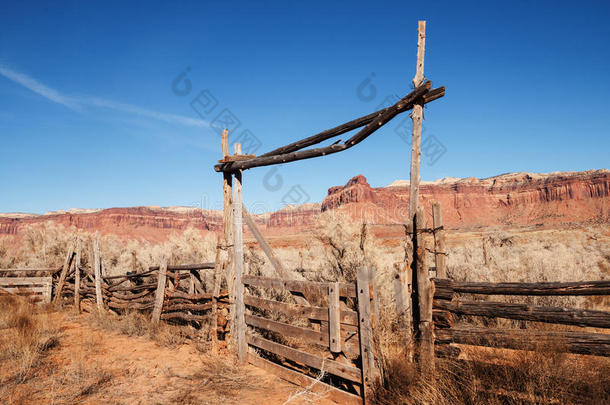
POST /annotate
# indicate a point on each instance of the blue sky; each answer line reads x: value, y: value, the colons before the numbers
x: 90, y: 116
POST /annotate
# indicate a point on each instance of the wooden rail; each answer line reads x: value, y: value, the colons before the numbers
x: 444, y: 288
x: 37, y: 289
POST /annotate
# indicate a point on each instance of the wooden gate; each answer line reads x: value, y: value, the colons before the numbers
x: 36, y: 289
x: 327, y: 346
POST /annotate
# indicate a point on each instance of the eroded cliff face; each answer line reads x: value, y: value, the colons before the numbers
x: 509, y: 199
x: 513, y: 199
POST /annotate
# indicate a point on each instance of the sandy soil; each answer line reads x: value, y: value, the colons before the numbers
x: 95, y: 366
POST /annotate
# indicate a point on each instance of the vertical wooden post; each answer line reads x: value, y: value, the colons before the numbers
x: 227, y: 192
x: 402, y: 293
x: 425, y: 295
x: 238, y: 264
x: 366, y: 331
x: 77, y: 276
x: 98, y: 272
x: 334, y: 318
x: 215, y: 294
x: 440, y: 252
x: 160, y: 293
x: 416, y: 116
x: 64, y: 273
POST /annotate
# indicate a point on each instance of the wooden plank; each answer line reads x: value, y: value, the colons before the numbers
x: 345, y: 289
x: 160, y: 293
x: 416, y: 116
x: 24, y: 270
x: 402, y: 293
x: 97, y: 268
x: 295, y: 310
x: 528, y: 339
x: 425, y: 294
x: 440, y: 248
x: 28, y: 289
x: 227, y: 221
x: 24, y: 280
x: 324, y: 390
x: 366, y: 332
x: 215, y: 293
x: 491, y: 309
x: 236, y: 158
x: 64, y: 272
x: 401, y: 106
x: 309, y: 336
x: 334, y: 318
x: 77, y: 276
x: 598, y: 287
x: 330, y: 366
x: 239, y: 333
x: 175, y: 267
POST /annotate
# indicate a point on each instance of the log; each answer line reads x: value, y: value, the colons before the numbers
x: 131, y: 305
x: 239, y: 333
x: 345, y: 371
x: 344, y: 128
x: 188, y: 307
x: 194, y: 266
x: 601, y: 287
x: 184, y: 317
x: 160, y: 293
x: 98, y: 270
x: 322, y: 390
x: 345, y: 289
x: 148, y: 286
x: 528, y: 339
x: 77, y: 276
x: 64, y: 272
x: 308, y: 336
x: 295, y: 310
x: 490, y: 309
x: 403, y: 105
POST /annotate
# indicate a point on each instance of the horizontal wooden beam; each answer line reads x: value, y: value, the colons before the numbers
x: 324, y: 390
x: 528, y: 339
x: 310, y: 336
x: 25, y: 281
x: 344, y: 128
x: 600, y: 287
x: 21, y: 270
x: 330, y: 366
x: 195, y: 266
x: 379, y: 120
x: 346, y: 290
x: 296, y: 310
x: 184, y: 317
x: 491, y: 309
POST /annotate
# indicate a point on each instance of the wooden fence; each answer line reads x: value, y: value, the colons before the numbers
x: 449, y: 304
x: 36, y: 289
x: 326, y: 347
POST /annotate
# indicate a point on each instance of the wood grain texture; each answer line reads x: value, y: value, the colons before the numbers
x: 97, y: 269
x: 365, y: 331
x: 345, y: 289
x: 598, y: 287
x: 160, y: 293
x: 347, y: 317
x: 440, y: 248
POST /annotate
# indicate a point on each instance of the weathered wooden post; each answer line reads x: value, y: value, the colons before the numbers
x: 425, y: 295
x: 416, y: 116
x: 215, y: 293
x: 440, y: 252
x: 77, y: 276
x: 238, y: 265
x: 334, y: 318
x: 98, y: 272
x: 227, y: 222
x: 160, y: 293
x: 365, y: 330
x: 64, y: 273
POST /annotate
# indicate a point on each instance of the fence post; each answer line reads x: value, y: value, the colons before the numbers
x: 64, y: 273
x: 77, y: 276
x: 366, y: 331
x: 227, y: 221
x: 334, y: 318
x: 238, y: 264
x: 425, y: 295
x: 440, y: 252
x: 160, y: 293
x: 98, y: 273
x: 215, y: 293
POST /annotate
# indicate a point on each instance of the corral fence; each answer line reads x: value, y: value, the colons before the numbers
x: 452, y: 302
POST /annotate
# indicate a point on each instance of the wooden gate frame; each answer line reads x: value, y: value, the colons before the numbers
x: 231, y: 166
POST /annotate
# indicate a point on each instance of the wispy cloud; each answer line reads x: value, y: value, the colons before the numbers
x: 77, y: 103
x: 37, y: 87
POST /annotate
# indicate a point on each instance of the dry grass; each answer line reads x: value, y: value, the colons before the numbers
x: 135, y: 323
x: 27, y: 333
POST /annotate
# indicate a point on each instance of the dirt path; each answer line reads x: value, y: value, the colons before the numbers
x: 93, y: 366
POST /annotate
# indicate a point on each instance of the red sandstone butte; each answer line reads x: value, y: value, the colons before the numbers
x: 515, y: 199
